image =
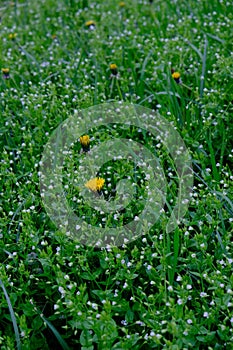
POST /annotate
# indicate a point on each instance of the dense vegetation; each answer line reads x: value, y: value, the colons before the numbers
x: 163, y: 290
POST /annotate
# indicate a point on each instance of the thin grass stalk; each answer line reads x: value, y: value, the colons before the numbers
x: 13, y: 319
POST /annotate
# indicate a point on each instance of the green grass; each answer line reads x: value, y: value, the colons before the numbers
x: 165, y: 290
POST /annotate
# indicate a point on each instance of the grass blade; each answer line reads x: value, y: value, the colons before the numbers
x: 16, y: 330
x: 174, y: 257
x: 61, y: 341
x: 216, y: 38
x: 193, y: 47
x: 212, y: 159
x: 204, y: 57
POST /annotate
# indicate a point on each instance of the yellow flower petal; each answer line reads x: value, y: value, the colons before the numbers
x: 95, y: 184
x: 176, y: 75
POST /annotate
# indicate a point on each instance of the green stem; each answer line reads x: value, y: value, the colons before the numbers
x: 119, y: 90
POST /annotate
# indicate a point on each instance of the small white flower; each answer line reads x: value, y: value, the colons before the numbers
x: 61, y: 289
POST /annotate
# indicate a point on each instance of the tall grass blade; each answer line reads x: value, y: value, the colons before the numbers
x: 16, y: 330
x: 212, y: 159
x: 194, y: 48
x: 216, y: 38
x: 61, y: 341
x: 176, y: 247
x: 204, y: 58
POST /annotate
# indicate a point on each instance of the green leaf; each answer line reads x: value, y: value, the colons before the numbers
x: 206, y: 338
x: 37, y: 323
x: 103, y: 264
x: 86, y: 338
x: 87, y: 276
x: 129, y: 316
x: 88, y: 324
x: 76, y: 324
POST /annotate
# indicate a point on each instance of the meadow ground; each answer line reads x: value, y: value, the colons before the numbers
x: 164, y: 290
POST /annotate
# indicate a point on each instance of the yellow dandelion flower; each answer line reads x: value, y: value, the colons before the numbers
x: 113, y: 68
x: 6, y: 73
x: 96, y: 184
x: 122, y: 4
x: 90, y: 24
x: 85, y: 142
x: 5, y: 70
x: 12, y: 36
x: 176, y: 75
